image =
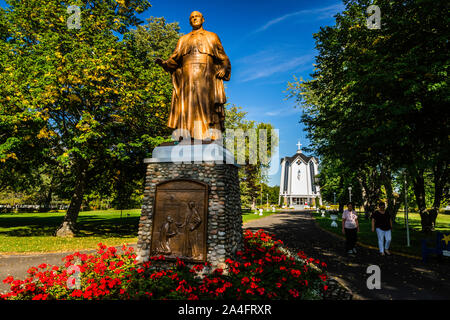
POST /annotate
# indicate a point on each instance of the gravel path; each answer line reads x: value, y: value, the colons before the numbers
x: 401, y: 277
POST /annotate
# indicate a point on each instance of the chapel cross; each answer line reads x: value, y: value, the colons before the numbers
x: 299, y: 145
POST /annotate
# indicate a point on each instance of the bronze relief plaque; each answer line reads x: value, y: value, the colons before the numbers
x: 179, y: 220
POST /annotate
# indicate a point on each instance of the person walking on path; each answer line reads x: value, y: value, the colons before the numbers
x: 350, y: 227
x: 382, y: 223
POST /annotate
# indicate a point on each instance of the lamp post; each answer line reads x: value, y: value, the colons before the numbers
x: 350, y: 194
x: 261, y: 194
x: 334, y: 195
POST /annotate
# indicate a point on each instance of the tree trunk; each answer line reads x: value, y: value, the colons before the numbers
x: 44, y: 206
x: 440, y: 173
x: 341, y: 207
x: 369, y: 182
x: 67, y: 228
x: 419, y: 192
x: 368, y: 208
x: 393, y: 201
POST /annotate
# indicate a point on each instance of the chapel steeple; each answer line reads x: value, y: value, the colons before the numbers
x: 299, y: 150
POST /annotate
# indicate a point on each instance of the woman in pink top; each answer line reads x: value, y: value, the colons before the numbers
x: 350, y: 227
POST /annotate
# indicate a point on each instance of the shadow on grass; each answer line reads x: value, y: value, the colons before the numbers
x: 87, y: 226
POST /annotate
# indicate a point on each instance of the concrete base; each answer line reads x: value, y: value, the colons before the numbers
x: 191, y: 153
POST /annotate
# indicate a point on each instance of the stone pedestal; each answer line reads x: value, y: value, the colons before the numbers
x: 172, y: 210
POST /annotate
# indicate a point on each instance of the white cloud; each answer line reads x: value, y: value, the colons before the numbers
x: 283, y: 111
x: 320, y: 13
x: 265, y: 67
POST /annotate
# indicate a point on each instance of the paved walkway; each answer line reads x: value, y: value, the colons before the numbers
x: 401, y: 277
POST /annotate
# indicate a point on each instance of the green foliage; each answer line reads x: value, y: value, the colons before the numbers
x: 253, y: 174
x: 89, y: 103
x: 378, y: 99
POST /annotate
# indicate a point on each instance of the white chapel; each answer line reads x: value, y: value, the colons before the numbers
x: 298, y: 186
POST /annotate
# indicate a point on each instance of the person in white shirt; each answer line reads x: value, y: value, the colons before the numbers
x: 350, y: 228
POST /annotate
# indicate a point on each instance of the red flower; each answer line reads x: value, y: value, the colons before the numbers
x: 106, y: 271
x: 40, y: 296
x: 250, y: 291
x: 294, y: 293
x: 77, y: 293
x: 180, y: 263
x: 8, y: 279
x: 323, y: 277
x: 260, y: 291
x: 112, y: 250
x: 295, y: 273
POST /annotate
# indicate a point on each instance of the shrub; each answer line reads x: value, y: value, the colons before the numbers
x: 264, y: 269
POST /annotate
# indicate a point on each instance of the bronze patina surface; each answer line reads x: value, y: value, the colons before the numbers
x: 198, y: 66
x: 179, y: 220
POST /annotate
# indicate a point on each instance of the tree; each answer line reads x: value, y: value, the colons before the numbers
x: 253, y: 173
x: 271, y: 194
x: 92, y: 101
x: 146, y: 125
x: 378, y: 99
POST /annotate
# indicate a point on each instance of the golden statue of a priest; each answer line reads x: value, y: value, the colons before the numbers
x: 198, y: 66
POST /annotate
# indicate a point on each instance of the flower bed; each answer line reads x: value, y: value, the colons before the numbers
x: 264, y: 269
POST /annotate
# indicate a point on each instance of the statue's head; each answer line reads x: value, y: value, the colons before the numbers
x: 196, y: 20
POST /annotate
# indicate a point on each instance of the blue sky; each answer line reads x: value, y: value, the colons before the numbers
x: 268, y: 42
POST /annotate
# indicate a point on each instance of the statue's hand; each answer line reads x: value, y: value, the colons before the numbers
x: 220, y: 74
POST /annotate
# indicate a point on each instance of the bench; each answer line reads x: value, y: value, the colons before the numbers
x: 441, y: 248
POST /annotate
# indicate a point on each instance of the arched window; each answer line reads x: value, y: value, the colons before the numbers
x: 286, y: 177
x: 313, y: 175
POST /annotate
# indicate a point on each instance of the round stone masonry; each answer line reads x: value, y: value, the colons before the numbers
x: 224, y: 218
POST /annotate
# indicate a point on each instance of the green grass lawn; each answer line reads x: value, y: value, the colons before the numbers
x: 248, y: 215
x: 366, y: 236
x: 33, y: 232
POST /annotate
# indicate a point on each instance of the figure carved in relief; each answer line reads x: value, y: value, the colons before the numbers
x: 166, y: 232
x: 192, y: 221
